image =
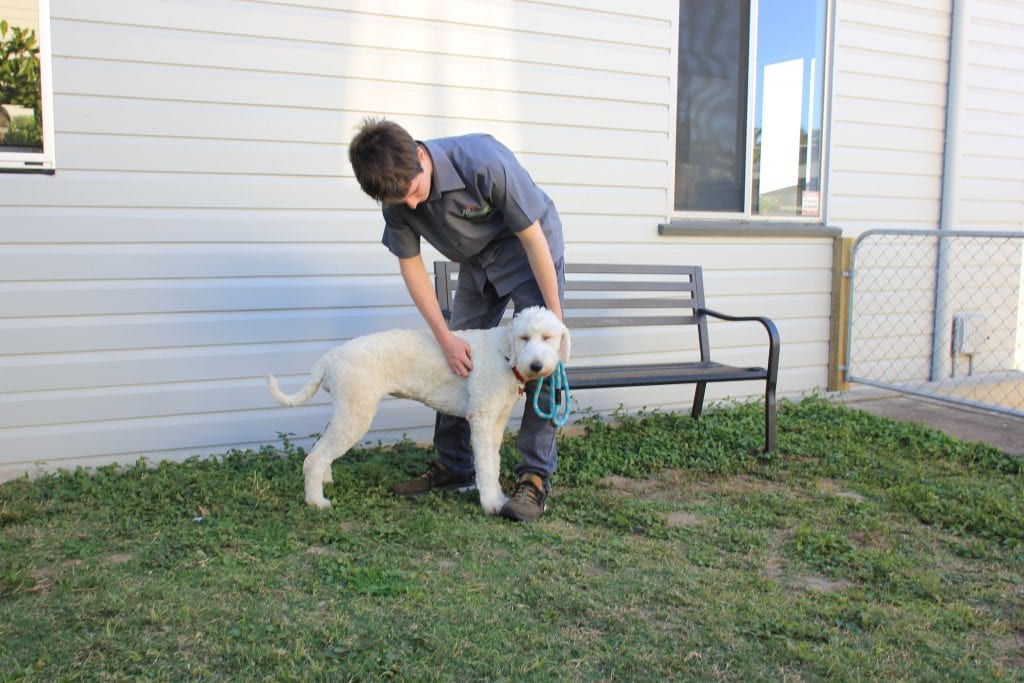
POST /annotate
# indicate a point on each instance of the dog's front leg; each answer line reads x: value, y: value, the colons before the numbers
x: 487, y: 462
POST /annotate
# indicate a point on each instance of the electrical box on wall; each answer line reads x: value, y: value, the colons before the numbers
x: 969, y: 333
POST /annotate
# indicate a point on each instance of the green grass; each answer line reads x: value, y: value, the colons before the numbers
x: 863, y: 549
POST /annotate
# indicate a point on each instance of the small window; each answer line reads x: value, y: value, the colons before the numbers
x: 26, y: 96
x: 749, y: 108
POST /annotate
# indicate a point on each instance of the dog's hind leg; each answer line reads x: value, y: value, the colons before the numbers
x: 350, y: 422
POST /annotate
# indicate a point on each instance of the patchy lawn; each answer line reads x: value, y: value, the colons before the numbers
x: 863, y: 549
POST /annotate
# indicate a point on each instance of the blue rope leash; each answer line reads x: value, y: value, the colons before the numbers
x: 559, y: 414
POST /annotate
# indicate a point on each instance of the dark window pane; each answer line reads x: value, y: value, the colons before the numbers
x: 712, y: 109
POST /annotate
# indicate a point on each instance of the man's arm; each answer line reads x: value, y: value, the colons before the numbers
x: 421, y: 289
x: 539, y: 255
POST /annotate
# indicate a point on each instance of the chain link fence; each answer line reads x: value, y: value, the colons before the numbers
x: 939, y: 313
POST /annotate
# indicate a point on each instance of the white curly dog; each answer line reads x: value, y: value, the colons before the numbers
x: 410, y: 364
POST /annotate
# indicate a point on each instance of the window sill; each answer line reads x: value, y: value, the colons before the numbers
x: 39, y: 170
x: 744, y: 228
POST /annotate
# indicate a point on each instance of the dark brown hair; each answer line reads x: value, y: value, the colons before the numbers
x: 384, y: 158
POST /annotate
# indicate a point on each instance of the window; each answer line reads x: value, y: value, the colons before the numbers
x: 26, y: 99
x: 750, y: 98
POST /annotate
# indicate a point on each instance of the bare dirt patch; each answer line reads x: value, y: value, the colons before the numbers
x: 678, y: 519
x: 119, y: 558
x: 745, y: 484
x: 668, y: 484
x: 835, y: 489
x: 819, y: 584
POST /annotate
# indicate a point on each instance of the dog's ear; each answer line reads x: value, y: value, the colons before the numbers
x: 564, y: 346
x: 507, y: 346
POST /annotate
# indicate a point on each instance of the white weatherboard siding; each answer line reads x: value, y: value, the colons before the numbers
x: 204, y: 228
x: 992, y: 139
x: 888, y: 113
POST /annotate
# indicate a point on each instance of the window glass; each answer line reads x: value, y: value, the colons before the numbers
x: 788, y: 110
x: 25, y: 119
x: 711, y: 118
x: 749, y: 142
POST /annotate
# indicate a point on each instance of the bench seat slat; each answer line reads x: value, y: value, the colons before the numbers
x: 662, y: 373
x: 620, y: 268
x: 628, y: 303
x: 616, y: 286
x: 573, y: 321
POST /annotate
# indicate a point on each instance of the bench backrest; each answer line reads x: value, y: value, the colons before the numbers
x: 616, y: 295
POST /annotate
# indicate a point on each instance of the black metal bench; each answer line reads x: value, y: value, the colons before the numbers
x: 643, y: 296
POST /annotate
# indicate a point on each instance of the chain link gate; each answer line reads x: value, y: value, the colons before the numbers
x: 940, y: 314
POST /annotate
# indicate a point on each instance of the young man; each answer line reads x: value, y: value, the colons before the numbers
x: 469, y: 197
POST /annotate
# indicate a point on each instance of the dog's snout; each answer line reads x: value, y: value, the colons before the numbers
x: 536, y: 366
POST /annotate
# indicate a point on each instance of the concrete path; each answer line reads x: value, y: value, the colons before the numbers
x: 1005, y: 432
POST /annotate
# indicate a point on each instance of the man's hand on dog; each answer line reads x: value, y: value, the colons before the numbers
x: 456, y: 352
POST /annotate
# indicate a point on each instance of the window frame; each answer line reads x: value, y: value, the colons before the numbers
x: 746, y: 216
x: 45, y: 161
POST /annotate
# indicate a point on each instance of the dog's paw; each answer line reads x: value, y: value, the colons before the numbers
x: 493, y: 504
x: 318, y: 502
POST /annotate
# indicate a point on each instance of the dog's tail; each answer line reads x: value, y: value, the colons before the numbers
x: 302, y: 395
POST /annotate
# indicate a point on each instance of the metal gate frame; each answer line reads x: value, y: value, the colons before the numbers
x: 939, y: 312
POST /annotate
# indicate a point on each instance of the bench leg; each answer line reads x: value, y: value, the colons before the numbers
x: 698, y: 400
x: 769, y: 420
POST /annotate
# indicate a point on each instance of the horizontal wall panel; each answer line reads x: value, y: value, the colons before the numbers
x: 172, y: 190
x: 894, y: 41
x: 104, y: 225
x: 404, y: 22
x: 890, y: 183
x: 879, y: 111
x: 918, y: 17
x: 899, y: 163
x: 167, y: 155
x: 126, y: 367
x: 106, y: 333
x: 147, y: 261
x: 164, y: 82
x: 880, y: 139
x: 280, y: 123
x: 272, y: 55
x: 137, y: 436
x: 713, y: 255
x: 889, y: 89
x: 169, y: 190
x: 886, y: 212
x: 871, y: 60
x: 107, y: 297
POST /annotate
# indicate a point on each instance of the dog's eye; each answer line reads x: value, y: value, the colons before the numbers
x: 548, y: 337
x: 525, y: 338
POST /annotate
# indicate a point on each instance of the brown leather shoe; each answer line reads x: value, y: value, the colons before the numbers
x: 438, y: 477
x: 529, y: 500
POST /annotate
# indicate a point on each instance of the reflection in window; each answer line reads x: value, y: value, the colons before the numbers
x: 788, y: 112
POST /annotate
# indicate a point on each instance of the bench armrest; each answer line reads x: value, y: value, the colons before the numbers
x: 770, y: 328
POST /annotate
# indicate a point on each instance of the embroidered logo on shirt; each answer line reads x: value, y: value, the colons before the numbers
x: 472, y: 211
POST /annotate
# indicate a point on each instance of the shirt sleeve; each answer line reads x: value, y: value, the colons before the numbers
x: 399, y: 238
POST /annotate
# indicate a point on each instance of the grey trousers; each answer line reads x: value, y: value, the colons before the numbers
x: 473, y: 309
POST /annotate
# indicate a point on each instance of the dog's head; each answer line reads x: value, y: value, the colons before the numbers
x: 537, y: 341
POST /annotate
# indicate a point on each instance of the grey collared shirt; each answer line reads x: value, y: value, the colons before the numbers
x: 480, y: 196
